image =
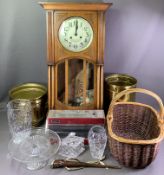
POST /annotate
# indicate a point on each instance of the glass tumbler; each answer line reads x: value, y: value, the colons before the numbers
x: 97, y: 139
x: 19, y: 112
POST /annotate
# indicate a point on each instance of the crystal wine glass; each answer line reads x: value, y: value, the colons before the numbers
x: 19, y: 112
x: 97, y: 139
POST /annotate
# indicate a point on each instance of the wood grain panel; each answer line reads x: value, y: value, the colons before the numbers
x: 51, y: 89
x: 66, y: 81
x: 56, y: 13
x: 85, y: 78
x: 75, y: 6
x: 101, y: 86
x: 50, y: 38
x: 101, y: 38
x: 60, y: 52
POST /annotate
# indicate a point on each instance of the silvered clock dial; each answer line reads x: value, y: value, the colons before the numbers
x: 75, y: 34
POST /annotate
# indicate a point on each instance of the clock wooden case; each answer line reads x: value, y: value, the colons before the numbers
x: 75, y: 54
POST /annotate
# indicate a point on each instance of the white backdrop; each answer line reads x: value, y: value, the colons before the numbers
x: 134, y: 42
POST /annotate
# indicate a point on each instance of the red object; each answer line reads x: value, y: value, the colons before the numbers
x: 79, y: 121
x: 76, y: 121
x: 84, y: 117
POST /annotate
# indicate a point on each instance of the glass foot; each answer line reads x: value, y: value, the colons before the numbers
x: 36, y: 165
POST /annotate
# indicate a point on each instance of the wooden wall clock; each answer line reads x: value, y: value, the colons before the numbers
x: 75, y: 54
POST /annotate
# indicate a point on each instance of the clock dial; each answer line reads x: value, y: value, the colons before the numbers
x: 75, y: 34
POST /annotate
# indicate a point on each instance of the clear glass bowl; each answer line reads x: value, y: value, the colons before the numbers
x: 36, y: 149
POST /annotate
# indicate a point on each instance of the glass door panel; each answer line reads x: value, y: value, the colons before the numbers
x: 90, y: 83
x: 76, y: 82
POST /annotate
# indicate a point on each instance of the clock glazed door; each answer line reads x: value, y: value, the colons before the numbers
x: 75, y: 84
x: 75, y: 75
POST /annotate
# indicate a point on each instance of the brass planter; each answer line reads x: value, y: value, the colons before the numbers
x: 37, y: 94
x: 116, y: 83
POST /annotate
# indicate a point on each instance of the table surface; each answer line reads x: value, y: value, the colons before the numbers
x: 12, y: 167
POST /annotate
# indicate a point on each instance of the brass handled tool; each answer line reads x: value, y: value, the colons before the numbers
x: 75, y: 163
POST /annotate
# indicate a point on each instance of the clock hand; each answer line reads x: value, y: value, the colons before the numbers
x: 76, y: 27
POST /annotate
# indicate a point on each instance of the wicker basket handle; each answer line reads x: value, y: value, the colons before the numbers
x: 139, y: 90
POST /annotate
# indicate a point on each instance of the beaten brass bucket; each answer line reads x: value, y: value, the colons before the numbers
x: 37, y: 94
x: 116, y: 83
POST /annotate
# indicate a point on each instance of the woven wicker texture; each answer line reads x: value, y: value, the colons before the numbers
x: 135, y: 122
x: 135, y: 131
x: 134, y: 156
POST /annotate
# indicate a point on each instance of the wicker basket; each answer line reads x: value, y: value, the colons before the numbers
x: 135, y: 130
